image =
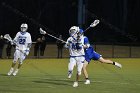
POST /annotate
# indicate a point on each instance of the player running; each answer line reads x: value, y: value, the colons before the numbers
x: 91, y: 54
x: 76, y: 46
x: 23, y: 44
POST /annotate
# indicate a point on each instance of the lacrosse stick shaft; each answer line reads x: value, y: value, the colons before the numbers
x: 86, y: 29
x: 56, y: 38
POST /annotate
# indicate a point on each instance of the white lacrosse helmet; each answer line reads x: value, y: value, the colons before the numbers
x: 24, y: 27
x: 73, y: 31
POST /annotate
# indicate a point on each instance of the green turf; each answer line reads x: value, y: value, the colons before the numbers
x: 50, y: 76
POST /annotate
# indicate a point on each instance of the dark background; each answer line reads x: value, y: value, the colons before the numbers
x: 119, y: 18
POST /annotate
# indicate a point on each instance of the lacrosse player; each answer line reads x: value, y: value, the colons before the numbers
x: 76, y: 45
x: 91, y: 54
x: 23, y: 42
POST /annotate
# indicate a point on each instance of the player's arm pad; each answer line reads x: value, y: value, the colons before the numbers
x: 29, y: 46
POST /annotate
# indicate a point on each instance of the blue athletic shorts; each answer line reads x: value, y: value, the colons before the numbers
x: 91, y: 54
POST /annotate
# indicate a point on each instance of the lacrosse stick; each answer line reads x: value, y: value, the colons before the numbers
x: 7, y: 36
x: 93, y: 24
x: 44, y: 33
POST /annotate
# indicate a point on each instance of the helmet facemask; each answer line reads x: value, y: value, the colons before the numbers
x: 73, y: 31
x: 24, y: 27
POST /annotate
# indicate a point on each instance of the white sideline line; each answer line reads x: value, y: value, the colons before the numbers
x: 111, y: 82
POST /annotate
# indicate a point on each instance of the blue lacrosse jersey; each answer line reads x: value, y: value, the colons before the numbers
x: 91, y: 54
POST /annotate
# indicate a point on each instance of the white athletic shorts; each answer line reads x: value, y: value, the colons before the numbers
x: 79, y: 61
x: 19, y: 55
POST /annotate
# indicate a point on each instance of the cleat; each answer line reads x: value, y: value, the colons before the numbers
x: 69, y: 76
x: 10, y: 72
x: 118, y: 65
x: 87, y: 82
x: 15, y: 72
x: 75, y: 84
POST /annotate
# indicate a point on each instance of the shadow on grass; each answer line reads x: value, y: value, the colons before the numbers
x: 3, y: 75
x: 55, y: 82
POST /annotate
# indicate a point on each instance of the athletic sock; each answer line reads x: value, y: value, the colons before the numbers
x: 87, y: 78
x: 113, y: 63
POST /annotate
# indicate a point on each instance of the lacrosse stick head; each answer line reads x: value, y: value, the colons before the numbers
x: 96, y: 22
x: 7, y: 36
x: 42, y: 31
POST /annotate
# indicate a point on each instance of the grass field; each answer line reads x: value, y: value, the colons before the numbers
x: 50, y: 76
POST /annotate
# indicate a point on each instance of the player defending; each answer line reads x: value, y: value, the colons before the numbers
x: 23, y: 44
x: 91, y: 54
x: 77, y: 55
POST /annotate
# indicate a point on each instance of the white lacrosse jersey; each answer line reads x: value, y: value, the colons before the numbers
x: 74, y: 52
x: 22, y: 40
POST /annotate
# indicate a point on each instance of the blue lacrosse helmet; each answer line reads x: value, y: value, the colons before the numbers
x: 80, y: 33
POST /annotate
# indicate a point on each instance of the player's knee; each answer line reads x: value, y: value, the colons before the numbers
x: 85, y: 65
x: 70, y: 68
x: 102, y: 60
x: 84, y: 68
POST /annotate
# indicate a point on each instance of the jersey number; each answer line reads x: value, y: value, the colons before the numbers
x: 73, y: 46
x: 22, y: 41
x: 76, y: 46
